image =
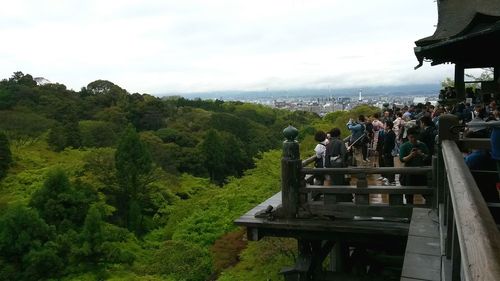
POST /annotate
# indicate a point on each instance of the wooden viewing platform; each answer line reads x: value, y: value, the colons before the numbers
x: 451, y: 236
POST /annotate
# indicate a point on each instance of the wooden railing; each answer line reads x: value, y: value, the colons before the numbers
x: 302, y: 199
x: 330, y: 200
x: 472, y: 244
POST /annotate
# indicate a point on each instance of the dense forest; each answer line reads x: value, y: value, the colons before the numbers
x: 102, y: 184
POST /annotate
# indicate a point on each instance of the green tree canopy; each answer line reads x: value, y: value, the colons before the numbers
x: 59, y: 203
x: 213, y: 150
x: 133, y: 169
x: 22, y: 230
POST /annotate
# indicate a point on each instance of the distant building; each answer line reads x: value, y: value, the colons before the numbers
x: 41, y: 81
x: 280, y: 104
x: 418, y: 100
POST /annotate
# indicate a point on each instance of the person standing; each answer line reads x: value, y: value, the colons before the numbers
x: 387, y: 148
x: 378, y: 137
x: 398, y: 126
x: 320, y: 152
x: 358, y: 136
x: 413, y: 153
x: 336, y: 157
x: 428, y: 134
x: 336, y: 152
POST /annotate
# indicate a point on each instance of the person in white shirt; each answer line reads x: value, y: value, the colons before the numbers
x: 320, y: 151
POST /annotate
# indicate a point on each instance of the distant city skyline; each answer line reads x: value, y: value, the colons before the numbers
x: 404, y: 90
x: 169, y: 47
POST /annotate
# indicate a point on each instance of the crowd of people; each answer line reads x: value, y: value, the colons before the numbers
x: 408, y: 133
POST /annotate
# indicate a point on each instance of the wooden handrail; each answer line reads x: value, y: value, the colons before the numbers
x: 308, y: 161
x: 478, y: 236
x: 311, y: 159
x: 346, y: 189
x: 363, y: 170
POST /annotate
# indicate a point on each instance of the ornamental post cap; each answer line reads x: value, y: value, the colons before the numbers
x: 290, y: 133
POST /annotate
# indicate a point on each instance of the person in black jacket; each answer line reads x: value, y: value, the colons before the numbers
x: 388, y: 146
x: 428, y: 133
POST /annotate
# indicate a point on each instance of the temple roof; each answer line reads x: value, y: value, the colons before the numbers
x: 468, y: 32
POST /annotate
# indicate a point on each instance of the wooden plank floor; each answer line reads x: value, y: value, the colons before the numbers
x: 423, y: 252
x: 360, y: 226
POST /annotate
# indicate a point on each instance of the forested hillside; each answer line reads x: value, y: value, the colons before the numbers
x: 101, y: 184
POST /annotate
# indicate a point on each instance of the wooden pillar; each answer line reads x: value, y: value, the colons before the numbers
x: 447, y: 122
x: 338, y: 257
x: 362, y: 199
x: 440, y: 176
x: 459, y: 81
x: 496, y: 73
x: 434, y: 183
x: 290, y: 173
x: 449, y: 227
x: 455, y: 255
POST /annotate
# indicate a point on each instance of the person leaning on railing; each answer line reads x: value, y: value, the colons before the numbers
x: 358, y: 135
x: 413, y: 153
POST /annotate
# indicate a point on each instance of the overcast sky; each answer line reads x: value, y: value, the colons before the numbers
x: 191, y: 46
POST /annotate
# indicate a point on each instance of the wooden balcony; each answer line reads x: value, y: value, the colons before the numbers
x: 457, y: 239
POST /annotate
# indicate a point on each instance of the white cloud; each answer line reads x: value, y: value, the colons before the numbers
x: 185, y: 46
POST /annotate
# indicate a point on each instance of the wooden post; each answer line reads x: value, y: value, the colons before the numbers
x: 338, y: 257
x: 459, y: 83
x: 446, y: 124
x: 446, y: 132
x: 432, y: 182
x: 290, y: 173
x: 440, y: 175
x: 455, y: 255
x: 449, y: 228
x: 362, y: 199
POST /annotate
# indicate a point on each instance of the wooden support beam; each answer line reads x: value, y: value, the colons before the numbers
x: 440, y: 176
x: 455, y: 254
x: 459, y: 81
x: 311, y: 254
x: 428, y: 199
x: 433, y: 182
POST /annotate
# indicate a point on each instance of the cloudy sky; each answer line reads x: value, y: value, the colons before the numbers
x: 191, y: 46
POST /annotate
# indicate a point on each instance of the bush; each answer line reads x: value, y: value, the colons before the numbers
x: 97, y: 133
x: 181, y: 260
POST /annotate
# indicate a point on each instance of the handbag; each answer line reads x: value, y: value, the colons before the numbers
x: 395, y: 150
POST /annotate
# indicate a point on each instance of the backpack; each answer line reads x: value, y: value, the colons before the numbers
x: 333, y: 154
x: 369, y: 131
